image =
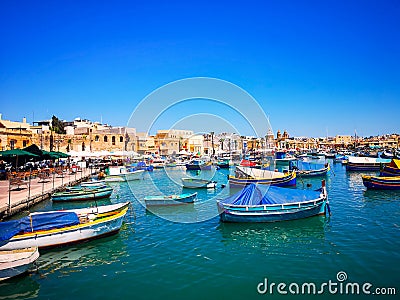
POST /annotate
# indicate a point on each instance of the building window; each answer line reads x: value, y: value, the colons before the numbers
x: 12, y: 144
x: 113, y: 140
x: 96, y: 138
x: 83, y: 146
x: 121, y: 139
x: 24, y: 143
x: 105, y: 139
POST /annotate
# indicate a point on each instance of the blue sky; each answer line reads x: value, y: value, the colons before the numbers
x: 313, y: 66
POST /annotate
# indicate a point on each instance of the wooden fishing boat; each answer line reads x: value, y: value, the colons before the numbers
x: 381, y: 183
x: 193, y: 183
x: 59, y: 228
x: 121, y: 174
x: 365, y: 163
x: 82, y: 194
x: 197, y: 164
x: 16, y: 262
x: 392, y: 169
x: 170, y: 200
x: 305, y: 169
x: 258, y: 203
x: 246, y: 175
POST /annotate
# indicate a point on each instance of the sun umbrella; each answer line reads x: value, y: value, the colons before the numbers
x: 16, y: 153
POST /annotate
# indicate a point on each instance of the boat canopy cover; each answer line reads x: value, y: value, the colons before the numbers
x: 308, y: 166
x: 36, y: 222
x: 254, y: 194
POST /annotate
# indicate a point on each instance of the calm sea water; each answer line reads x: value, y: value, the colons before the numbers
x: 156, y: 256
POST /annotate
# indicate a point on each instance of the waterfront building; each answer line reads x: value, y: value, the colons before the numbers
x: 14, y: 135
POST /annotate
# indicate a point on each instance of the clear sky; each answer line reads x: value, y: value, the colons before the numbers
x: 313, y: 66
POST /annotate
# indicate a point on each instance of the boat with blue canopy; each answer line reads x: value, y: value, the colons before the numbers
x: 58, y: 228
x: 258, y: 203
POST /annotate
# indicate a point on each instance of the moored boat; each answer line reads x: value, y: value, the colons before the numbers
x: 257, y: 203
x: 223, y: 164
x: 16, y: 262
x: 392, y: 169
x: 197, y: 164
x: 170, y: 200
x: 193, y: 183
x: 82, y: 194
x: 365, y: 163
x: 121, y: 174
x: 307, y: 169
x: 59, y: 228
x: 245, y: 176
x: 381, y: 183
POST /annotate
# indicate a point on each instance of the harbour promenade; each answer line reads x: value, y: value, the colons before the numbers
x: 21, y: 194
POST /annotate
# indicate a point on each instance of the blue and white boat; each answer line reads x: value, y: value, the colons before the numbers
x: 258, y: 203
x: 363, y: 163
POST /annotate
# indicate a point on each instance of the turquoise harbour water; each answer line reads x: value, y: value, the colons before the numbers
x: 154, y: 258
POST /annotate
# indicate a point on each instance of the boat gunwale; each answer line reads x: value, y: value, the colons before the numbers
x: 321, y: 198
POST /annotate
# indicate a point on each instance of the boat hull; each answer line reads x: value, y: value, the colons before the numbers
x: 198, y: 167
x: 85, y: 196
x: 16, y: 262
x: 69, y: 235
x: 381, y: 183
x: 263, y: 214
x: 363, y: 167
x: 170, y: 200
x: 310, y: 173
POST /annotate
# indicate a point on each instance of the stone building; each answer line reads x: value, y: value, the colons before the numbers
x: 14, y: 135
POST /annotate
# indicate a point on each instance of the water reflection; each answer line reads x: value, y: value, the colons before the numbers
x: 74, y: 259
x: 21, y: 287
x: 274, y: 235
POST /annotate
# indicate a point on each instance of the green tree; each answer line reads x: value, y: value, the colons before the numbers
x: 57, y: 125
